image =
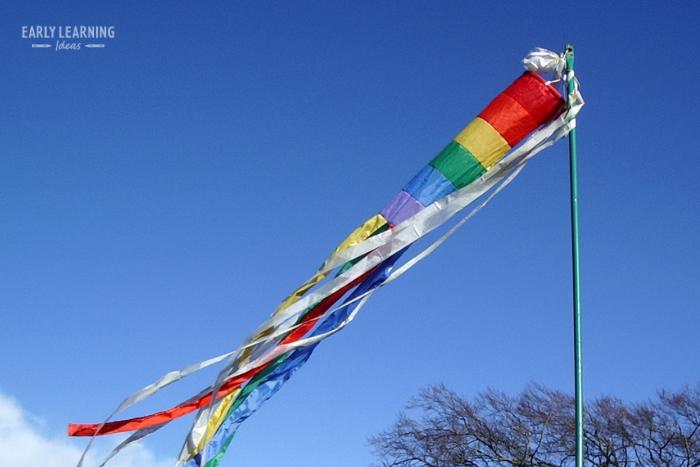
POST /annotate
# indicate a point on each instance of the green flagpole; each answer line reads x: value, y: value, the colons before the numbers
x: 573, y: 181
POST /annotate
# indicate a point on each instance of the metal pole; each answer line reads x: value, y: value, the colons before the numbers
x: 573, y: 181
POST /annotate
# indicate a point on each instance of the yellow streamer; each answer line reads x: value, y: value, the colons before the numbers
x: 361, y: 233
x: 215, y: 421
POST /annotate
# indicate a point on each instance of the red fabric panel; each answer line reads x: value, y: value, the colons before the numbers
x: 509, y: 118
x: 541, y: 101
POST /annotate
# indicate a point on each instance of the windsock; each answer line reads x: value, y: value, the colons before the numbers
x: 482, y: 158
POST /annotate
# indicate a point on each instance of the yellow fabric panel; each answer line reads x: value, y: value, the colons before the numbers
x: 483, y: 142
x: 362, y: 232
x: 298, y: 293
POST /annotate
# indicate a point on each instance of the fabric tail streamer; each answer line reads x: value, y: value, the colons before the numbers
x: 469, y: 166
x: 521, y: 108
x: 205, y: 424
x: 250, y: 402
x: 512, y: 174
x: 508, y: 119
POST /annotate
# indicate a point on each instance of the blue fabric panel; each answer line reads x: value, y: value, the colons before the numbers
x: 429, y: 185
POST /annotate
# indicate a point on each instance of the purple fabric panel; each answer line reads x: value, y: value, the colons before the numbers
x: 401, y: 208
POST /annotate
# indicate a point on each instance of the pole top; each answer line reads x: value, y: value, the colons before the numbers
x: 569, y: 56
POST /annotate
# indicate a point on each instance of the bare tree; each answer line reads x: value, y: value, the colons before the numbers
x: 536, y: 428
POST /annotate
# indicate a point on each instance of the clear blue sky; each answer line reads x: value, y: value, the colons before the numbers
x: 159, y: 197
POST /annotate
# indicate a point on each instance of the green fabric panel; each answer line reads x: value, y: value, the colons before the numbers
x: 458, y: 165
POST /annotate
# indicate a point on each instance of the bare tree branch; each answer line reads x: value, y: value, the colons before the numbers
x: 536, y: 428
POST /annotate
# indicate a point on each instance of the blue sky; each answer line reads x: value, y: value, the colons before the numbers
x: 159, y: 197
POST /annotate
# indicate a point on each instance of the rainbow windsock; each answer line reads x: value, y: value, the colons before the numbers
x: 483, y: 157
